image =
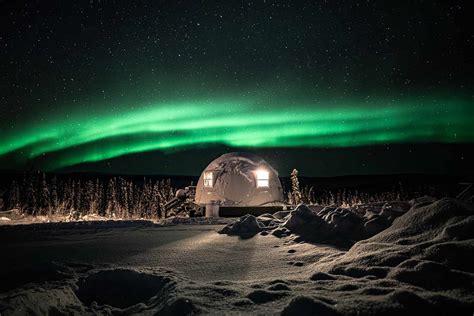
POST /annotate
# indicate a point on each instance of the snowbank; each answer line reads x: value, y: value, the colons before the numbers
x: 97, y: 220
x: 334, y: 225
x: 175, y: 220
x: 424, y: 261
x: 250, y: 225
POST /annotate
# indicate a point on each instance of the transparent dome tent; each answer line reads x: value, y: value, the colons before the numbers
x: 240, y: 183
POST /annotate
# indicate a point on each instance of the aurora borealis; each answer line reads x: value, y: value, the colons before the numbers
x: 171, y: 126
x: 86, y: 83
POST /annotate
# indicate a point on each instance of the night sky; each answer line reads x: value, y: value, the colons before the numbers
x: 163, y: 87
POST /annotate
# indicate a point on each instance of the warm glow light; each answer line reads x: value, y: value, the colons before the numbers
x: 262, y: 177
x: 208, y: 179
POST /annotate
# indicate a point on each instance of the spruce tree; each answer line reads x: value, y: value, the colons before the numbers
x: 30, y: 196
x: 111, y: 198
x: 54, y: 199
x: 295, y: 187
x: 43, y: 195
x: 14, y: 197
x: 88, y: 197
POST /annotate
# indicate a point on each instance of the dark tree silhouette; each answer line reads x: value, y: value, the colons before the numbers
x: 42, y: 194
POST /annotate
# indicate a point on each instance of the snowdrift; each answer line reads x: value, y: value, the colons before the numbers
x: 334, y: 225
x: 422, y: 262
x: 426, y: 247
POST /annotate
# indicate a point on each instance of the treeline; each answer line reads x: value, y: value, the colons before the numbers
x: 117, y: 197
x: 37, y: 194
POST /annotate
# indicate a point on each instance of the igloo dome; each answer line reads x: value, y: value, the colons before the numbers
x: 239, y: 179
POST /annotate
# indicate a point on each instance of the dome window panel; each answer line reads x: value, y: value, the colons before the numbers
x: 263, y: 177
x: 208, y: 179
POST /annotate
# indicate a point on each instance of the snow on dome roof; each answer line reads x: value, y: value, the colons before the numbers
x: 241, y: 156
x: 239, y: 179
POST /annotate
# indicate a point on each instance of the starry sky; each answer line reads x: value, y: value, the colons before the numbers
x: 163, y: 87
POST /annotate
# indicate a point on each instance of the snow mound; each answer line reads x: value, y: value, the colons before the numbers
x: 417, y: 258
x: 334, y: 225
x: 265, y: 296
x: 303, y: 305
x: 250, y: 225
x: 427, y: 249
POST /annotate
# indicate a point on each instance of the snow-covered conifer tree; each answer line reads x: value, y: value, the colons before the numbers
x: 295, y: 187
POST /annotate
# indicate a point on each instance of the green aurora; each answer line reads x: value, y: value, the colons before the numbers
x: 82, y: 137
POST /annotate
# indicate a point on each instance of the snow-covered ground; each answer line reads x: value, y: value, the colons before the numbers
x: 373, y: 259
x: 14, y: 217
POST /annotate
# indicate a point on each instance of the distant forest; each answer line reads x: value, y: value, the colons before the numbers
x: 38, y: 193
